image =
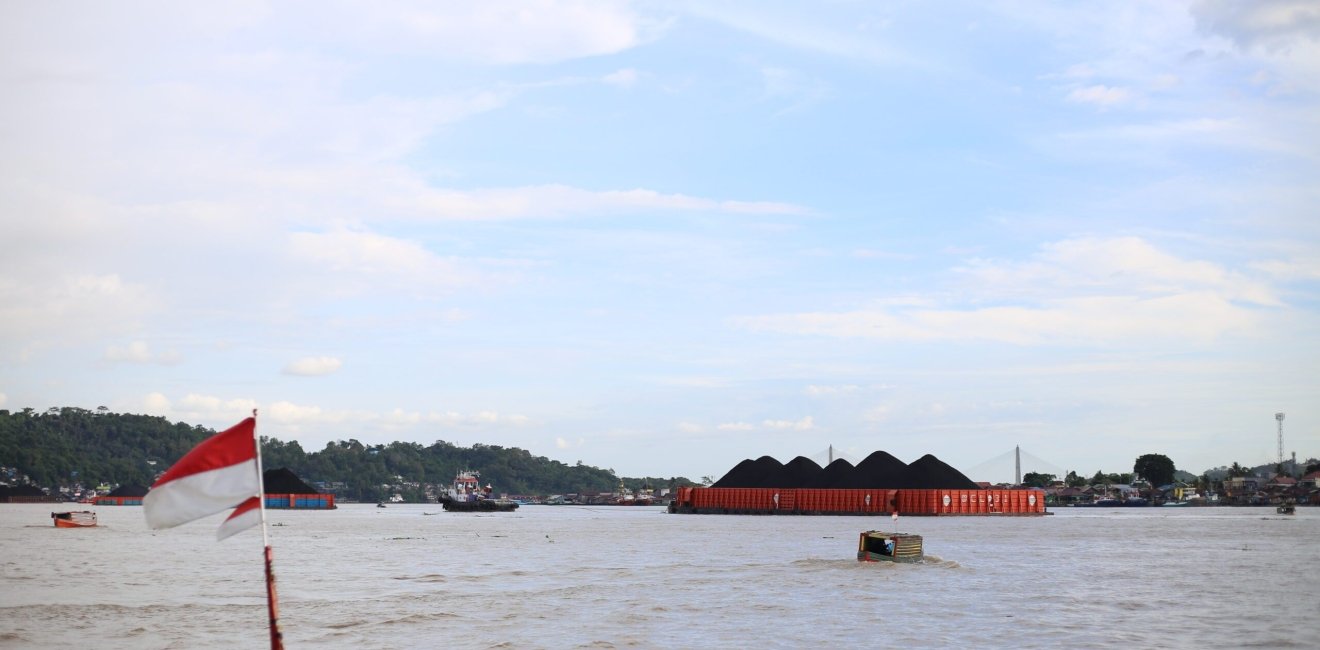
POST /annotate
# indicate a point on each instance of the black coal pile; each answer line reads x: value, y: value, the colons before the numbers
x: 794, y: 474
x: 929, y: 472
x: 880, y: 470
x: 832, y: 474
x: 129, y: 491
x: 750, y: 473
x: 283, y: 481
x: 736, y: 476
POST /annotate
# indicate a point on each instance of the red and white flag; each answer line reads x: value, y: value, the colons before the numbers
x: 216, y: 475
x: 245, y: 516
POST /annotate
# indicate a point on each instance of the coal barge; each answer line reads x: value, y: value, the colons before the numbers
x: 879, y: 485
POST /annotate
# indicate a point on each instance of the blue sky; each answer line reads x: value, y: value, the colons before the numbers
x: 665, y: 237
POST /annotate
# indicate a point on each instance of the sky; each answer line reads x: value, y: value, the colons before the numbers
x: 663, y: 237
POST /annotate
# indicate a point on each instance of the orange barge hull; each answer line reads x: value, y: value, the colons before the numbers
x: 816, y: 501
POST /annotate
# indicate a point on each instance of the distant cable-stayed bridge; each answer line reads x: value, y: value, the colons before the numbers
x: 1000, y: 469
x: 830, y: 454
x: 1003, y: 468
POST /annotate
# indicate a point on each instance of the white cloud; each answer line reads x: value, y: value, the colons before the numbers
x: 294, y: 418
x: 624, y: 78
x: 879, y: 413
x: 207, y: 407
x: 1165, y: 81
x: 1097, y: 291
x: 140, y: 352
x: 805, y: 424
x: 560, y: 201
x: 1079, y: 71
x: 501, y: 33
x: 365, y: 262
x: 1198, y: 318
x: 43, y: 310
x: 1139, y: 140
x: 136, y: 352
x: 1100, y: 95
x: 1290, y: 270
x: 288, y: 412
x: 481, y: 418
x: 873, y: 254
x: 156, y: 404
x: 1107, y: 266
x: 818, y: 391
x: 313, y: 366
x: 1271, y: 23
x: 803, y: 28
x: 563, y: 443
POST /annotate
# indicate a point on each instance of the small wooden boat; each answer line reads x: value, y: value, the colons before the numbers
x: 77, y: 519
x: 879, y: 546
x: 1287, y: 508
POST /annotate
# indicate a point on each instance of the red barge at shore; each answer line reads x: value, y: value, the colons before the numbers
x: 827, y: 501
x: 879, y: 485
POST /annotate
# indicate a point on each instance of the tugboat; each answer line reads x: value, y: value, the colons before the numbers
x: 77, y: 519
x: 467, y: 495
x: 879, y: 546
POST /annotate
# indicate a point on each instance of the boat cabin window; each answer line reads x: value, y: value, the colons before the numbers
x: 879, y: 545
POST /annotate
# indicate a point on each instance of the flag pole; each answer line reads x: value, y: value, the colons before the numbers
x: 272, y: 603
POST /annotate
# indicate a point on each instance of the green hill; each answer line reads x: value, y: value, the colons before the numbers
x: 62, y: 446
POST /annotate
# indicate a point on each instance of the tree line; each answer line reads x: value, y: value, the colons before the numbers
x: 68, y: 445
x: 1158, y: 470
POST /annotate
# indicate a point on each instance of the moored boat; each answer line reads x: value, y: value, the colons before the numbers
x: 879, y: 546
x: 75, y: 519
x: 625, y: 497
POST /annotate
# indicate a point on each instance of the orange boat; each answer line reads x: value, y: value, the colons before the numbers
x: 79, y: 519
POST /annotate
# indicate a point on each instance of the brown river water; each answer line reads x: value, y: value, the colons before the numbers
x: 412, y: 576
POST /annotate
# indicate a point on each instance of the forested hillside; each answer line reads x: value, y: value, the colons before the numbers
x: 62, y: 446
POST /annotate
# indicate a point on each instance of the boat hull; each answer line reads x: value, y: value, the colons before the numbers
x: 878, y: 546
x: 83, y: 519
x: 483, y: 505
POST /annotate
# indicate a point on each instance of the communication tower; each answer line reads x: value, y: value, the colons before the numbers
x: 1279, y: 417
